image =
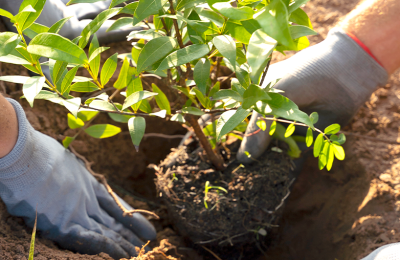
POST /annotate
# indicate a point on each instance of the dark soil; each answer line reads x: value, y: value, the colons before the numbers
x: 233, y: 220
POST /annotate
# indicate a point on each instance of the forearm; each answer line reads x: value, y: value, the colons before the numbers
x: 8, y: 127
x: 376, y: 23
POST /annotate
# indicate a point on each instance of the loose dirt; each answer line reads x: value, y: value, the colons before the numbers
x: 343, y: 214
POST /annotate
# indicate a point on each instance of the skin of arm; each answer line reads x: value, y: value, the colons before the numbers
x: 376, y: 23
x: 8, y: 127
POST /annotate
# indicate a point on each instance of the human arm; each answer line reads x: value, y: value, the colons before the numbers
x: 336, y: 76
x: 8, y: 127
x: 73, y: 208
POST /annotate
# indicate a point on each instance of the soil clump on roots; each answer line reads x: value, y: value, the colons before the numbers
x: 242, y: 205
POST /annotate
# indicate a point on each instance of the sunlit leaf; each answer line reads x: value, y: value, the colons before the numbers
x: 137, y: 126
x: 102, y: 130
x: 155, y: 50
x: 161, y: 99
x: 309, y: 137
x: 74, y: 123
x: 332, y: 129
x: 290, y: 130
x: 229, y: 120
x: 318, y: 145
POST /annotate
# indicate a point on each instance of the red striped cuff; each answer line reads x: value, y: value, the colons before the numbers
x: 362, y: 45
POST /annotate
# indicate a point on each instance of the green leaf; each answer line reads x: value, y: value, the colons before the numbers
x: 102, y: 130
x: 136, y: 97
x: 145, y: 35
x: 193, y: 111
x: 227, y: 93
x: 243, y: 77
x: 145, y: 106
x: 281, y: 106
x: 314, y: 117
x: 82, y: 1
x: 136, y: 51
x: 309, y: 137
x: 338, y: 151
x: 323, y: 156
x: 134, y: 86
x: 123, y: 75
x: 85, y: 87
x: 94, y: 62
x: 32, y: 87
x: 258, y: 52
x: 103, y: 105
x: 95, y: 24
x: 235, y: 84
x: 262, y: 124
x: 121, y: 22
x: 185, y: 4
x: 116, y: 2
x: 8, y: 42
x: 301, y: 18
x: 97, y: 52
x: 137, y: 126
x: 201, y: 74
x: 253, y: 94
x: 55, y: 28
x: 146, y: 8
x: 318, y: 145
x: 210, y: 15
x: 56, y: 47
x: 66, y: 142
x: 66, y: 83
x: 226, y: 45
x: 161, y: 99
x: 178, y: 118
x: 237, y: 31
x: 241, y: 13
x: 154, y: 51
x: 272, y: 128
x: 6, y: 14
x: 35, y: 29
x: 290, y: 130
x: 74, y: 123
x: 15, y: 79
x: 296, y: 4
x: 251, y: 25
x: 87, y: 115
x: 294, y: 150
x: 72, y: 105
x: 108, y: 69
x: 330, y: 158
x: 332, y: 129
x: 32, y: 245
x: 297, y: 31
x: 274, y: 21
x: 185, y: 55
x: 229, y: 120
x: 25, y: 19
x: 129, y: 8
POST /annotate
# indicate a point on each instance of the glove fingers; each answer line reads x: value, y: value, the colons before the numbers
x: 109, y: 222
x: 137, y: 223
x: 255, y: 141
x: 89, y: 242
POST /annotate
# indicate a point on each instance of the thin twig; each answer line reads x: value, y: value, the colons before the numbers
x: 226, y: 78
x: 163, y: 136
x: 266, y: 70
x: 103, y: 180
x: 211, y: 252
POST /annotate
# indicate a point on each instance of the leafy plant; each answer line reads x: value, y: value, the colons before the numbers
x: 185, y: 42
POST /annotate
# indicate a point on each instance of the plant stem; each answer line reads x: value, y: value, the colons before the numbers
x: 213, y: 157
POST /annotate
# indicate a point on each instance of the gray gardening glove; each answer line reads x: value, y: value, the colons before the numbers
x: 55, y: 10
x: 388, y: 252
x: 73, y: 209
x: 333, y: 78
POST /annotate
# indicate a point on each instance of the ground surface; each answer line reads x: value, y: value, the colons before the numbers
x: 343, y: 214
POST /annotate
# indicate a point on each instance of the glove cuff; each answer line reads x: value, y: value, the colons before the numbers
x: 360, y: 72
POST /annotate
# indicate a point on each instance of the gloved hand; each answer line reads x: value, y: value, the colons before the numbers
x: 55, y: 10
x: 388, y: 252
x: 333, y: 78
x: 73, y: 209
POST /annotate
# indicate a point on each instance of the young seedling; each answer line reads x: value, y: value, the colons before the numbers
x: 185, y: 42
x: 207, y: 187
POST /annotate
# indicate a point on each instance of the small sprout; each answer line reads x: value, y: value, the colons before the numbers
x: 207, y: 188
